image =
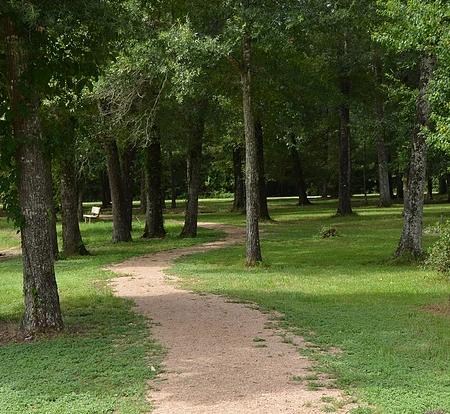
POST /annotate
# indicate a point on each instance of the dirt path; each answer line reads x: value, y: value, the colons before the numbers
x: 222, y: 357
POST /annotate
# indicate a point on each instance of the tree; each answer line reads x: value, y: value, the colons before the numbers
x: 424, y: 32
x: 382, y: 150
x: 71, y: 234
x: 263, y: 208
x: 299, y: 176
x: 49, y: 46
x: 120, y: 163
x: 42, y: 308
x: 154, y: 223
x: 411, y: 238
x: 195, y: 130
x: 60, y: 129
x: 239, y: 192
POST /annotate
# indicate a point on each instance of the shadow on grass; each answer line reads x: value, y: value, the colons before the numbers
x: 100, y: 363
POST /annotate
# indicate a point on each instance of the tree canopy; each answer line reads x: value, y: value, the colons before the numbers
x: 327, y: 98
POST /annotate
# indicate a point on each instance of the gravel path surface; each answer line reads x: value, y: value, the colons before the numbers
x: 223, y: 357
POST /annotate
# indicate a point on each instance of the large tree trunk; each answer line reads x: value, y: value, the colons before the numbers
x: 154, y: 224
x: 263, y: 208
x: 42, y: 308
x: 299, y: 177
x: 383, y: 171
x: 344, y: 137
x: 71, y: 235
x: 120, y: 172
x: 411, y: 238
x: 194, y: 168
x: 253, y: 252
x: 239, y: 191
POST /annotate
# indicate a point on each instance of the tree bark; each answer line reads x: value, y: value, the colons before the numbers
x: 299, y: 177
x: 154, y: 223
x: 173, y: 187
x: 105, y: 189
x: 52, y: 207
x: 263, y: 208
x: 80, y: 205
x: 344, y: 137
x: 194, y: 168
x: 144, y: 204
x: 120, y: 172
x: 253, y: 249
x: 71, y: 235
x: 239, y: 191
x: 400, y: 186
x: 430, y: 189
x: 385, y: 199
x: 42, y: 307
x: 411, y: 238
x: 443, y: 188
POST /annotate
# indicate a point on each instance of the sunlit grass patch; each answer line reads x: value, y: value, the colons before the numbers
x: 341, y: 292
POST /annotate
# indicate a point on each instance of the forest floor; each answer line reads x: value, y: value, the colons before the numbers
x: 222, y: 356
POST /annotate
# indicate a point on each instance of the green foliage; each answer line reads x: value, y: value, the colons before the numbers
x: 439, y: 254
x: 415, y: 25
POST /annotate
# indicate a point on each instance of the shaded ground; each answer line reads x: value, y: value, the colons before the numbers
x: 10, y: 253
x: 222, y: 357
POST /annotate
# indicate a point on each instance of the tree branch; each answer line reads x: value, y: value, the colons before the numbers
x: 236, y: 63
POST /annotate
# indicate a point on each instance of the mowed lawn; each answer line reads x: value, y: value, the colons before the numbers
x: 390, y: 321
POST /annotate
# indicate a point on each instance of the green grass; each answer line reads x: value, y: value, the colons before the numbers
x: 342, y: 292
x: 103, y: 360
x: 337, y: 292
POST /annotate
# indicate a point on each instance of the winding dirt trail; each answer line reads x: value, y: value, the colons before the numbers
x: 222, y: 357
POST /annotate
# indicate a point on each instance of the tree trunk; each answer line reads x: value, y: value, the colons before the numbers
x: 263, y: 208
x: 42, y: 308
x: 430, y: 188
x: 382, y: 150
x: 299, y: 177
x: 154, y: 223
x: 120, y: 172
x: 411, y: 238
x: 400, y: 186
x: 194, y: 168
x: 52, y: 207
x: 80, y: 205
x: 71, y: 235
x: 344, y: 137
x: 105, y: 189
x: 173, y: 187
x: 253, y: 251
x: 325, y: 162
x: 443, y: 188
x: 144, y: 204
x: 239, y: 192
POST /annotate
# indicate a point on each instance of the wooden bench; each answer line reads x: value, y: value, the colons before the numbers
x: 95, y: 213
